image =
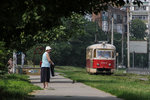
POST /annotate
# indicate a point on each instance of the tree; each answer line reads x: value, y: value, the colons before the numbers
x: 20, y: 20
x: 71, y: 26
x: 138, y: 28
x: 3, y: 62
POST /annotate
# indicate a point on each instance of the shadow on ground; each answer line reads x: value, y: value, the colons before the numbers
x: 50, y: 97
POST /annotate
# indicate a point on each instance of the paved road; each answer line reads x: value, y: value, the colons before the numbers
x: 61, y: 88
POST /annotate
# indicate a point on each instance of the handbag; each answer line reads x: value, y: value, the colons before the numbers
x: 52, y: 70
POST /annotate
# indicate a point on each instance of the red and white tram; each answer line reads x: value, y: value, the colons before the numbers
x: 100, y: 58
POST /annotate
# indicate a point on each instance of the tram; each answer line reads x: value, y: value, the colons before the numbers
x: 100, y: 58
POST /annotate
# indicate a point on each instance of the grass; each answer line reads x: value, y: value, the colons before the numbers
x: 123, y: 85
x: 15, y: 87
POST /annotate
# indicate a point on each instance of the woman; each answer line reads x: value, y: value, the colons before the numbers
x: 45, y: 67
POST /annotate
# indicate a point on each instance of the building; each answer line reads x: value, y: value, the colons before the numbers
x: 141, y: 12
x: 104, y: 19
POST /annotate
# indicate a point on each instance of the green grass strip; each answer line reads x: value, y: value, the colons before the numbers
x: 15, y: 87
x: 123, y: 85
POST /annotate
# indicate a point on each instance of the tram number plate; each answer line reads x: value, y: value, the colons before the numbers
x: 103, y: 62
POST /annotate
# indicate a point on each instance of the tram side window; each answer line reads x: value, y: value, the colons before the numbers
x: 89, y: 54
x: 113, y: 54
x: 94, y: 53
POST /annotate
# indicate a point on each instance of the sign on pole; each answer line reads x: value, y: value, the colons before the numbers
x: 138, y: 46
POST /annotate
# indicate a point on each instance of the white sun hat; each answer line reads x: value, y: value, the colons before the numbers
x: 48, y: 48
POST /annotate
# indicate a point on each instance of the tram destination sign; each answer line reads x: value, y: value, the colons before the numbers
x: 138, y: 46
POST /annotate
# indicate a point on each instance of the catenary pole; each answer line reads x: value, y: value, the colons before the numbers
x: 128, y: 39
x: 112, y: 31
x: 149, y: 35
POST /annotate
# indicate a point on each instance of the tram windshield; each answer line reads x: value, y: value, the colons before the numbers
x: 105, y: 54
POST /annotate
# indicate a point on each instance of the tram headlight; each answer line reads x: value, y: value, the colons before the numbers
x: 109, y: 64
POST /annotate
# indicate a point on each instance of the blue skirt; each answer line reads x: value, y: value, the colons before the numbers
x: 45, y: 74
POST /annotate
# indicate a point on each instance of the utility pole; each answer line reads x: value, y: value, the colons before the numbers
x: 96, y: 28
x: 128, y: 39
x: 149, y: 35
x: 112, y: 30
x: 122, y: 49
x: 108, y: 20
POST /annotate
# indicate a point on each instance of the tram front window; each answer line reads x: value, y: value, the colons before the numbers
x: 107, y: 54
x: 103, y: 54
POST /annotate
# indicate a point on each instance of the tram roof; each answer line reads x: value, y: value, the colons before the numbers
x: 101, y: 46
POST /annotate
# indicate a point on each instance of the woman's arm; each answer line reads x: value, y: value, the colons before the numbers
x: 49, y: 59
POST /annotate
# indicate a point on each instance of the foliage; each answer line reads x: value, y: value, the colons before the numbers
x: 15, y: 87
x: 137, y: 29
x: 140, y: 60
x: 71, y: 26
x: 74, y: 48
x: 3, y: 54
x: 125, y: 86
x: 21, y: 20
x: 34, y: 54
